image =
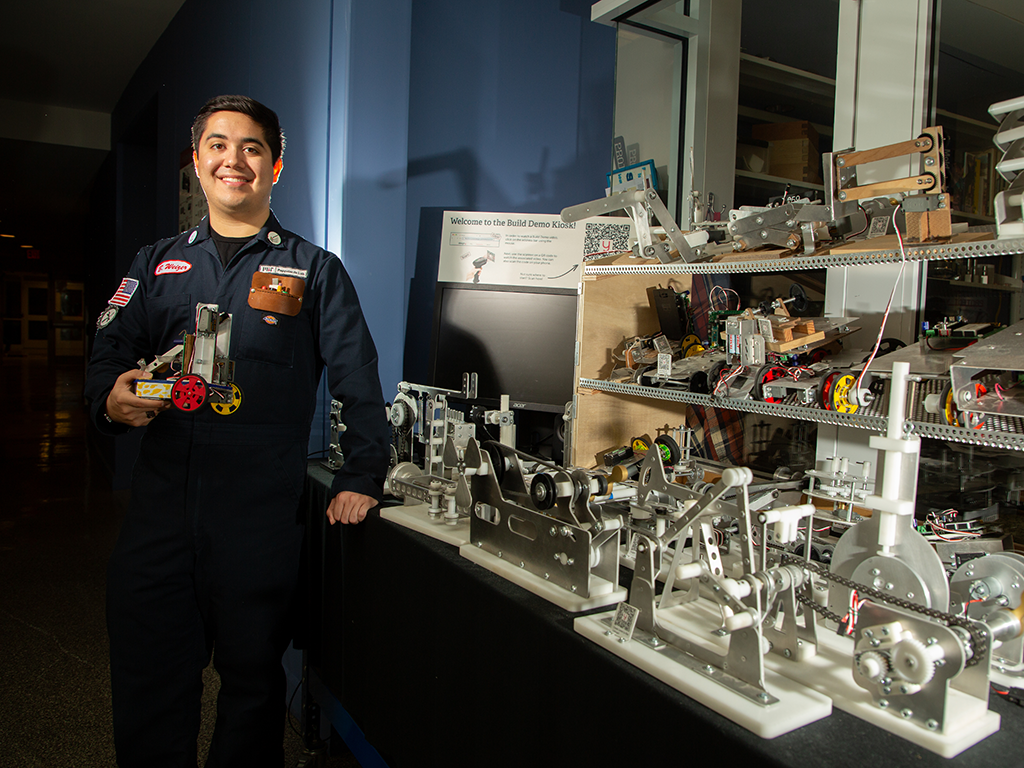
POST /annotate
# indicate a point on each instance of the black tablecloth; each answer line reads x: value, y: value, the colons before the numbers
x: 441, y: 662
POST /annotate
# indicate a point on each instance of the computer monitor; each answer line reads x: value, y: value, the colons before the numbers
x: 519, y: 341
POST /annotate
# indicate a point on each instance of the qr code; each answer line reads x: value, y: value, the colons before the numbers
x: 602, y: 239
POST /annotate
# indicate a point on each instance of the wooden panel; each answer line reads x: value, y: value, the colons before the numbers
x: 612, y: 308
x: 605, y: 420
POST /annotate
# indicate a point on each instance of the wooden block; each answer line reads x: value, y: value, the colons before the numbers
x: 607, y: 420
x: 805, y: 326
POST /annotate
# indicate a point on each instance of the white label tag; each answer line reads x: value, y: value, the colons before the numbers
x: 879, y: 226
x: 664, y: 365
x: 624, y: 621
x: 286, y: 271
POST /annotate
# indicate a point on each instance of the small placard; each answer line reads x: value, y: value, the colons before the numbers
x: 624, y: 621
x: 664, y: 364
x: 879, y: 226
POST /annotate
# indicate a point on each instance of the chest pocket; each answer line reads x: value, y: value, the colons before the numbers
x: 267, y: 337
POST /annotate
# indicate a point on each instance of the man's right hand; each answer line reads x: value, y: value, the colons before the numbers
x: 125, y: 407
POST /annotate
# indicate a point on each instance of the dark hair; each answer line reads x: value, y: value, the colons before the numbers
x: 263, y: 116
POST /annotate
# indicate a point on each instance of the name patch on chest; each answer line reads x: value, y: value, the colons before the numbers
x: 172, y: 267
x: 286, y: 271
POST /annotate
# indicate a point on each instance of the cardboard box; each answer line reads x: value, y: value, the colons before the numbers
x: 797, y: 172
x: 782, y: 131
x: 795, y: 159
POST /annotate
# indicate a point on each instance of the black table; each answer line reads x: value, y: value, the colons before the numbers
x: 441, y: 662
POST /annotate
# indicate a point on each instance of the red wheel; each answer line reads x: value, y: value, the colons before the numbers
x: 768, y: 373
x: 825, y: 389
x: 188, y: 393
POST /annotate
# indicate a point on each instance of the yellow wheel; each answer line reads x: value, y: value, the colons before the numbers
x: 226, y: 409
x: 694, y: 350
x: 687, y: 342
x: 839, y: 394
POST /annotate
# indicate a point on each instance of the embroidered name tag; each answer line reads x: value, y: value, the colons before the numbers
x: 172, y: 267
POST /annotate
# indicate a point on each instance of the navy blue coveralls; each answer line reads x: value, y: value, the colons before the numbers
x: 208, y: 555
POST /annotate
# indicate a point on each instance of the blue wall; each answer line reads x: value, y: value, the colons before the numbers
x: 393, y: 110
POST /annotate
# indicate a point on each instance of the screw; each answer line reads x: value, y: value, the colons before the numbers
x: 787, y: 653
x: 929, y: 161
x: 763, y: 696
x: 522, y: 564
x: 842, y: 195
x: 883, y: 703
x: 499, y: 553
x: 932, y: 724
x: 907, y: 713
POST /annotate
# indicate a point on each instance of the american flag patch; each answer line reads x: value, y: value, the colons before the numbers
x: 124, y: 292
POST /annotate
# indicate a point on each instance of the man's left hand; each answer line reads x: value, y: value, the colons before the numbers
x: 349, y: 507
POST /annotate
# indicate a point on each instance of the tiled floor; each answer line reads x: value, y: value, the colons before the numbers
x: 58, y: 523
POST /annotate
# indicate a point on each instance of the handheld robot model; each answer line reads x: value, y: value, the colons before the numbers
x: 198, y: 370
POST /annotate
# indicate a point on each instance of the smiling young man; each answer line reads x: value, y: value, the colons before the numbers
x: 208, y: 557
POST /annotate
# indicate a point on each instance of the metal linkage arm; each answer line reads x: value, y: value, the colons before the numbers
x: 637, y: 202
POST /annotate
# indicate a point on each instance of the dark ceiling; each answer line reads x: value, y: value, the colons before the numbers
x: 73, y: 54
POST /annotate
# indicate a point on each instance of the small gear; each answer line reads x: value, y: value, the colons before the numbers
x: 913, y: 661
x: 873, y: 665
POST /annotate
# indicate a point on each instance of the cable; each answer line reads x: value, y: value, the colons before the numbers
x: 888, y: 306
x: 867, y: 223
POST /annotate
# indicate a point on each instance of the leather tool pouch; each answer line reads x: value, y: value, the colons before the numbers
x: 276, y: 293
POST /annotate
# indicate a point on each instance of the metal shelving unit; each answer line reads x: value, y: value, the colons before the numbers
x: 1002, y: 432
x: 922, y: 252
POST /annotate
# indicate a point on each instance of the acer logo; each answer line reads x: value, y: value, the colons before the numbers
x: 172, y: 267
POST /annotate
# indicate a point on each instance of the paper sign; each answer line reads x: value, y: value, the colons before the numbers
x: 525, y: 249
